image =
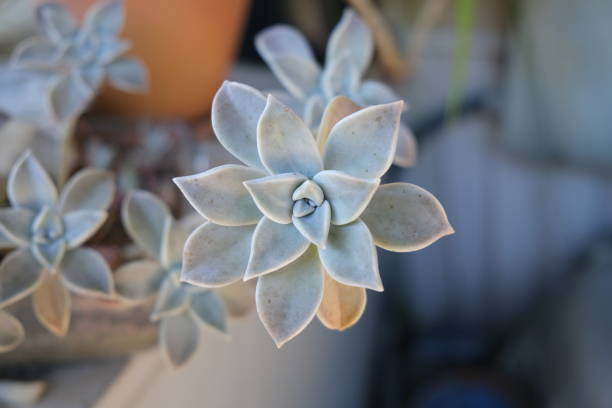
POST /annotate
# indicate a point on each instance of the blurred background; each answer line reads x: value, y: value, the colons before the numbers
x: 511, y: 103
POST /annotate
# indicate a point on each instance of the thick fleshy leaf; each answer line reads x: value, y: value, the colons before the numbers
x: 285, y: 143
x: 89, y: 189
x: 342, y: 305
x: 403, y: 217
x: 175, y: 236
x: 178, y: 338
x: 350, y: 256
x: 82, y: 225
x: 288, y: 299
x: 105, y: 18
x: 55, y: 22
x: 351, y: 35
x: 33, y: 87
x: 216, y: 255
x: 235, y: 113
x: 338, y: 108
x: 136, y: 281
x: 86, y: 272
x: 144, y: 217
x: 209, y: 308
x: 70, y: 96
x: 128, y: 75
x: 363, y: 143
x: 238, y: 298
x: 93, y: 75
x: 406, y: 152
x: 340, y: 78
x: 29, y: 185
x: 34, y: 52
x: 290, y: 58
x: 51, y: 303
x: 376, y: 93
x: 274, y: 246
x: 309, y: 190
x: 173, y: 299
x: 348, y: 196
x: 15, y: 225
x: 315, y: 226
x: 220, y: 195
x: 20, y: 274
x: 313, y: 112
x: 11, y: 332
x: 273, y: 195
x: 50, y: 254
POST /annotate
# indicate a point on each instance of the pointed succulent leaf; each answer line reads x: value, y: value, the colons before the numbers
x: 29, y: 185
x: 288, y: 299
x: 273, y: 195
x: 178, y: 338
x: 49, y: 254
x: 342, y: 305
x: 406, y: 152
x: 136, y: 281
x: 144, y: 217
x: 350, y: 256
x: 340, y: 78
x: 11, y: 332
x: 93, y: 75
x: 287, y: 53
x: 403, y: 217
x: 337, y: 108
x: 89, y: 189
x: 237, y: 298
x: 55, y: 22
x: 173, y: 242
x: 376, y: 93
x: 70, y: 96
x: 173, y: 299
x: 216, y: 255
x: 348, y: 196
x: 313, y: 111
x: 220, y: 195
x: 315, y: 226
x: 15, y: 225
x: 352, y: 35
x: 128, y: 75
x: 20, y: 275
x: 310, y: 190
x: 284, y: 142
x: 51, y: 304
x: 209, y: 308
x: 274, y: 246
x: 86, y: 272
x: 34, y: 52
x: 235, y: 113
x: 33, y: 88
x: 82, y: 225
x: 111, y: 51
x: 363, y: 143
x: 105, y: 18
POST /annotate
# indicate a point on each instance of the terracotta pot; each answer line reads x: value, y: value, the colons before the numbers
x: 188, y: 47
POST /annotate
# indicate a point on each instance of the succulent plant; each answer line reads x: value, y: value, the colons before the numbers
x: 68, y: 63
x: 11, y: 332
x: 179, y: 307
x: 47, y: 232
x: 310, y: 88
x: 305, y: 215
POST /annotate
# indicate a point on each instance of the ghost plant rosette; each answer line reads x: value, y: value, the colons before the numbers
x: 304, y: 216
x: 47, y: 232
x: 310, y: 88
x: 179, y: 307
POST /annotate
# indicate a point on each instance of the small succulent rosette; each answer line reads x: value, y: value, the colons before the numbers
x: 46, y: 232
x: 310, y: 88
x: 11, y: 332
x: 180, y: 307
x: 68, y: 63
x: 305, y: 214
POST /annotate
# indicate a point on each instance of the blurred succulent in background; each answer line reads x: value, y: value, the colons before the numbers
x: 179, y: 307
x: 55, y: 75
x: 310, y: 88
x: 305, y: 215
x: 11, y: 332
x: 47, y: 232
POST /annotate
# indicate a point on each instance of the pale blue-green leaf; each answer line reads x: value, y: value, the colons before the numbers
x: 216, y: 255
x: 351, y: 35
x: 50, y: 254
x: 70, y: 96
x: 35, y: 52
x: 89, y: 189
x: 29, y: 185
x: 274, y: 246
x: 128, y: 75
x: 144, y: 217
x: 105, y: 18
x: 373, y: 92
x: 209, y: 308
x: 55, y: 22
x: 348, y: 196
x: 220, y: 195
x: 173, y: 299
x: 20, y: 274
x: 340, y: 78
x: 138, y: 280
x: 313, y: 112
x: 363, y: 144
x: 350, y: 256
x: 315, y: 226
x: 86, y: 272
x: 285, y: 143
x: 81, y: 225
x: 26, y: 93
x: 403, y: 217
x: 11, y: 332
x: 272, y: 195
x: 235, y: 113
x: 178, y: 338
x: 288, y: 299
x: 15, y: 225
x: 406, y: 152
x: 309, y: 190
x: 174, y: 238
